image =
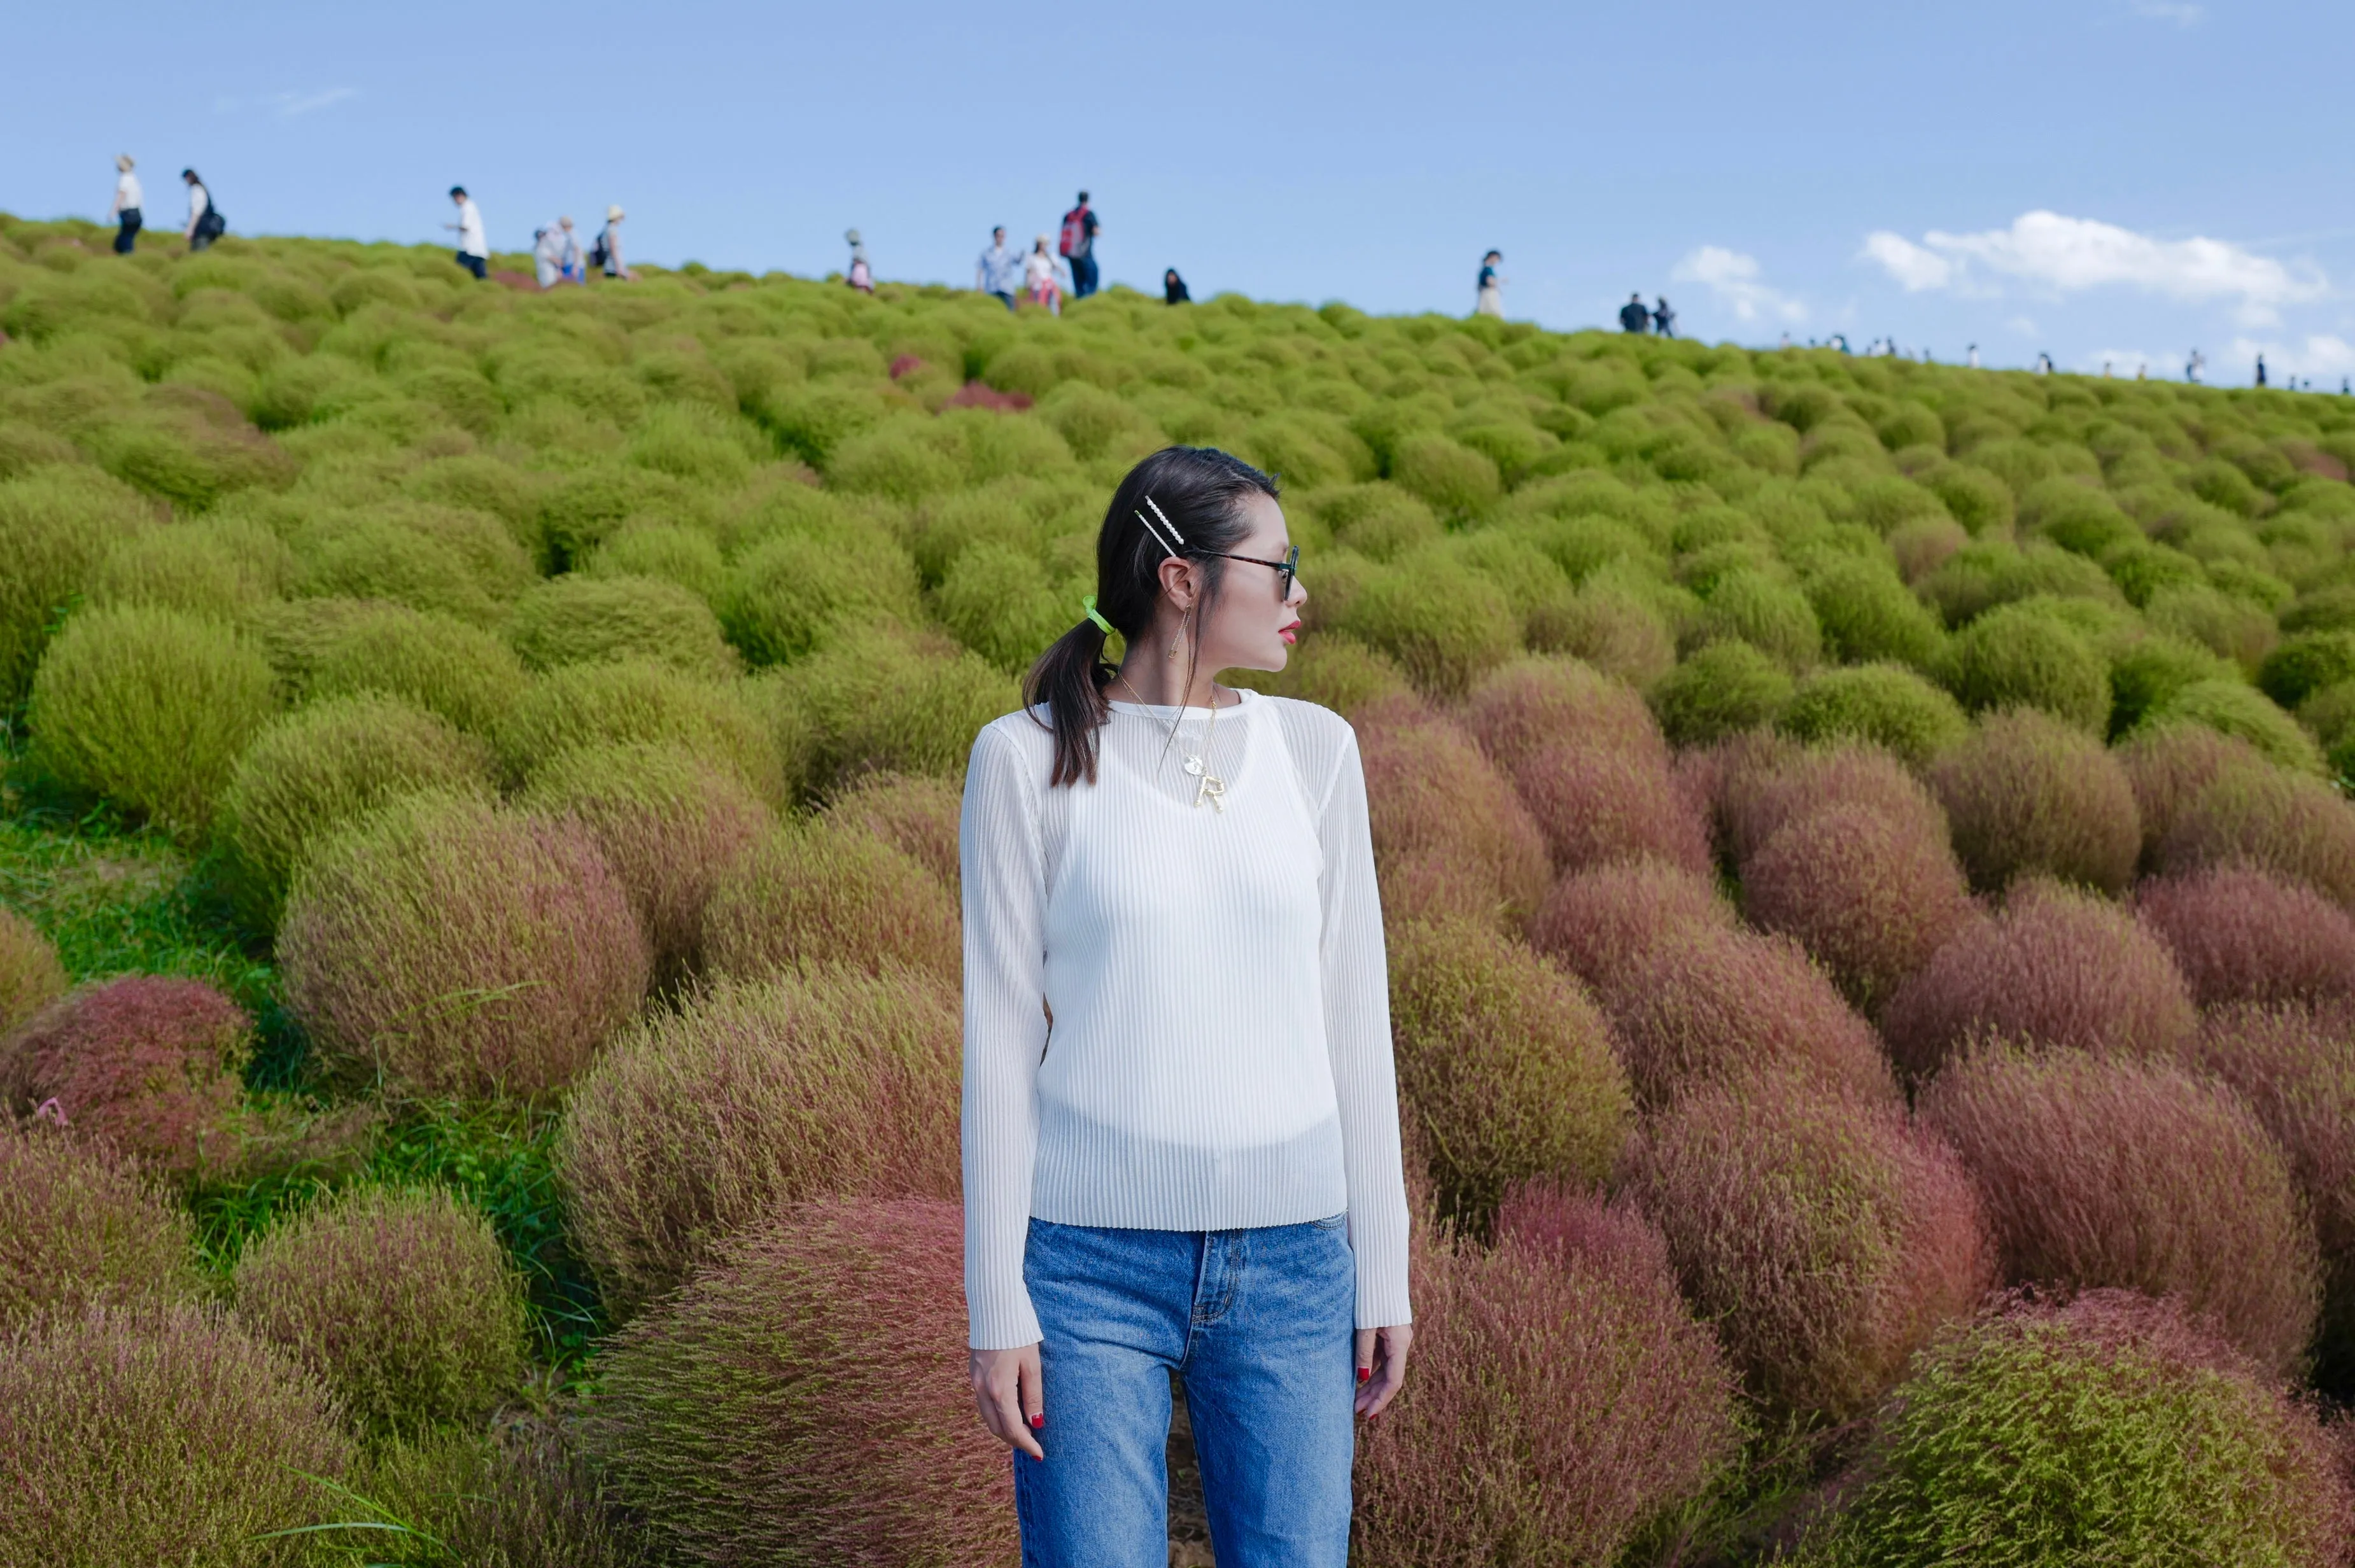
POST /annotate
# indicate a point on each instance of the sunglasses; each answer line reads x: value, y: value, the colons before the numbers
x: 1285, y: 569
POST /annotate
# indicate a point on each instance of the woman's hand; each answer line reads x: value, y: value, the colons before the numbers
x: 1381, y: 1366
x: 1007, y: 1386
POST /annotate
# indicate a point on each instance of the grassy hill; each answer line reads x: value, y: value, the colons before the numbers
x: 1855, y: 836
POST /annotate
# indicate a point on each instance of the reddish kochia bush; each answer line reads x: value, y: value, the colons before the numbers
x: 78, y: 1229
x: 752, y: 1096
x: 447, y: 948
x: 147, y: 1064
x: 158, y: 1434
x: 2055, y: 967
x: 1825, y: 1236
x: 830, y: 891
x: 1708, y: 1005
x: 1523, y: 708
x: 2170, y: 767
x: 804, y: 1401
x: 2107, y: 1429
x: 2028, y: 794
x: 403, y: 1303
x: 917, y: 816
x: 1871, y: 898
x: 1622, y: 1409
x: 668, y: 822
x: 1451, y: 835
x: 1707, y: 778
x: 1766, y: 788
x: 1596, y: 922
x: 2241, y: 935
x: 2297, y: 827
x: 2099, y: 1172
x: 2295, y: 1067
x: 1596, y: 804
x: 30, y: 976
x: 1503, y: 1061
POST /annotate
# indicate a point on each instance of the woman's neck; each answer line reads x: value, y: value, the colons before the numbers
x: 1161, y: 683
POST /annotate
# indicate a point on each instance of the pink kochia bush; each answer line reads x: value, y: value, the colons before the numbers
x: 1521, y: 709
x: 2107, y: 1429
x: 2101, y: 1172
x: 2028, y: 795
x: 445, y: 946
x: 2170, y: 767
x: 1709, y: 1006
x: 78, y: 1229
x: 917, y: 816
x: 1870, y: 896
x: 1450, y: 837
x: 1595, y: 806
x: 2239, y: 935
x: 2296, y: 827
x: 804, y: 1401
x: 147, y: 1063
x: 831, y: 892
x: 2055, y: 967
x: 1621, y: 1408
x: 1596, y: 923
x: 1826, y: 1237
x: 159, y: 1433
x: 1764, y: 787
x: 2294, y: 1065
x: 751, y: 1095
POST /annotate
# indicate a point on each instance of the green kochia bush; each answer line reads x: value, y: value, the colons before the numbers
x: 798, y: 1402
x: 1724, y: 688
x: 1443, y: 623
x: 56, y: 524
x: 637, y: 701
x: 1885, y: 704
x: 830, y: 891
x: 576, y: 620
x: 1503, y: 1061
x: 160, y: 1434
x: 149, y: 709
x: 30, y: 975
x: 2021, y: 655
x: 403, y: 1302
x: 786, y: 596
x: 336, y: 647
x: 325, y: 767
x: 879, y: 700
x: 2105, y: 1430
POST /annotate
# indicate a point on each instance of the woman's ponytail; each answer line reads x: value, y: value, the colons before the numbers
x: 1200, y: 493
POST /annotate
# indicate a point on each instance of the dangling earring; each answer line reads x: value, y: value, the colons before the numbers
x: 1179, y: 641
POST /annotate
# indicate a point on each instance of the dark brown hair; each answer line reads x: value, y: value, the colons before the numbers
x: 1201, y: 492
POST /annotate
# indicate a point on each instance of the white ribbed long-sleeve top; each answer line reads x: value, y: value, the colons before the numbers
x: 1176, y: 1013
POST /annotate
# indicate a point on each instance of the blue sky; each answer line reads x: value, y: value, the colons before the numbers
x: 2118, y: 180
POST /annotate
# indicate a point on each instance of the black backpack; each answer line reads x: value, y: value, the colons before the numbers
x: 211, y: 224
x: 597, y: 253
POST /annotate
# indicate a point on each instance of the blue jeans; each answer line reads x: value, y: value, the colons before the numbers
x: 1260, y: 1324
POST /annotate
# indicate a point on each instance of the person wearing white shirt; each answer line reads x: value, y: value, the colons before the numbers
x: 125, y: 209
x: 205, y: 224
x: 548, y: 255
x: 999, y: 271
x: 1180, y: 1124
x: 567, y: 253
x: 473, y: 249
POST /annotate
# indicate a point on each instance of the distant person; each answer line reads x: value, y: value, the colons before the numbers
x: 862, y: 274
x: 1786, y: 338
x: 567, y: 252
x: 2261, y: 369
x: 1664, y: 320
x: 548, y: 256
x: 999, y: 271
x: 1173, y: 288
x: 1974, y: 355
x: 125, y: 211
x: 1633, y: 316
x: 2194, y: 366
x: 2346, y: 386
x: 206, y: 223
x: 606, y: 253
x: 1078, y: 247
x: 2044, y: 363
x: 1488, y: 297
x: 1837, y: 340
x: 1039, y: 278
x: 473, y: 249
x: 2142, y: 371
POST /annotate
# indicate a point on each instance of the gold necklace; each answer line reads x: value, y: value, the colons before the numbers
x: 1211, y: 787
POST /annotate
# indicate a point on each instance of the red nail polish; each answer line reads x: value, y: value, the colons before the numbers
x: 1365, y: 1372
x: 1038, y: 1421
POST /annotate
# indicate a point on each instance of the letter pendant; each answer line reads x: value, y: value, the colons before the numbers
x: 1213, y: 789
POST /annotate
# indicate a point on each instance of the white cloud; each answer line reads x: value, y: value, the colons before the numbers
x: 2024, y: 325
x: 291, y: 104
x: 1908, y: 264
x: 2047, y: 250
x: 1732, y: 277
x: 2179, y: 12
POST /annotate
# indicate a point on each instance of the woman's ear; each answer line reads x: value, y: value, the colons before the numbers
x: 1178, y: 582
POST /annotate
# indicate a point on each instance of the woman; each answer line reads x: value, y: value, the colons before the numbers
x: 1181, y: 1123
x: 1490, y: 299
x: 862, y: 272
x: 204, y: 223
x: 607, y: 251
x: 1041, y: 277
x: 1173, y: 288
x: 125, y: 209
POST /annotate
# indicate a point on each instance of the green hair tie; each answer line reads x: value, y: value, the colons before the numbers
x: 1088, y: 604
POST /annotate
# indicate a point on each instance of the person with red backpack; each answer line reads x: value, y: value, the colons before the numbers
x: 1079, y: 245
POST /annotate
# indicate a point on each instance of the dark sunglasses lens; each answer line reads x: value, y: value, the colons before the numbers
x: 1291, y: 570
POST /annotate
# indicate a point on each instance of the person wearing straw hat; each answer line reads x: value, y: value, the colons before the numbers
x: 607, y: 252
x: 125, y: 209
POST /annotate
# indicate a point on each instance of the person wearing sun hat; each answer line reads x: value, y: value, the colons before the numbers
x: 607, y: 252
